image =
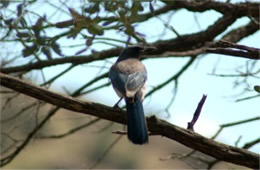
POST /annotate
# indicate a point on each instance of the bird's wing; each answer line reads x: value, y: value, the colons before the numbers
x: 118, y: 80
x: 127, y: 84
x: 135, y: 82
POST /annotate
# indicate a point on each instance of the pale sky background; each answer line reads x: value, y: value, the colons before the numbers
x: 220, y: 106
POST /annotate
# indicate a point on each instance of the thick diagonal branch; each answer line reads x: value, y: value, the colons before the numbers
x: 188, y: 138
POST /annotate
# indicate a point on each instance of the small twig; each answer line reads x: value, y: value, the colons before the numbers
x: 233, y: 124
x: 120, y: 132
x: 102, y: 129
x: 8, y: 101
x: 71, y: 131
x: 241, y: 74
x: 79, y: 91
x: 174, y: 92
x: 105, y: 152
x: 180, y: 156
x: 174, y: 77
x: 252, y: 143
x: 236, y: 53
x: 238, y: 140
x: 228, y: 48
x: 94, y: 89
x: 246, y: 98
x: 212, y: 163
x: 58, y: 75
x: 21, y: 111
x: 10, y: 157
x: 197, y: 113
x: 224, y: 43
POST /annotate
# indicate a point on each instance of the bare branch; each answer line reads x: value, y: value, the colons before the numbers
x: 218, y: 150
x: 228, y: 48
x: 234, y: 124
x: 252, y: 143
x: 10, y: 157
x: 71, y: 131
x: 183, y: 43
x: 186, y: 45
x: 239, y: 9
x: 106, y: 152
x: 197, y: 113
x: 173, y: 78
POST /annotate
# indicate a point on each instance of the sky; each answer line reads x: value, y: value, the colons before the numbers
x: 220, y: 106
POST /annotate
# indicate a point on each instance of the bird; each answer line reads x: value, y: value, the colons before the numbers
x: 128, y: 77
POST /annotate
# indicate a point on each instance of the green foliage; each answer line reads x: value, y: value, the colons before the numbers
x: 94, y: 20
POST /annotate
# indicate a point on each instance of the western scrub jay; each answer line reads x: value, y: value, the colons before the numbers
x: 128, y: 76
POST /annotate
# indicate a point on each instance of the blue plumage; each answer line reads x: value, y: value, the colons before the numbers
x: 136, y: 123
x: 128, y: 76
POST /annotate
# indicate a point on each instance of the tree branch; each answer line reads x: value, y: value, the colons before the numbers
x: 235, y: 53
x: 239, y: 9
x: 234, y: 124
x: 71, y: 131
x: 252, y: 143
x: 228, y: 48
x: 197, y: 113
x: 186, y: 137
x: 10, y: 157
x: 183, y: 43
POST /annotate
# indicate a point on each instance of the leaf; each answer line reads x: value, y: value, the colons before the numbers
x: 140, y: 7
x: 111, y: 6
x: 42, y: 40
x: 74, y: 14
x: 130, y: 30
x: 20, y: 9
x: 38, y: 26
x: 140, y: 34
x: 95, y: 29
x: 257, y: 88
x: 81, y: 51
x: 29, y: 50
x: 9, y: 21
x: 5, y: 3
x: 47, y: 52
x: 80, y: 22
x: 122, y: 15
x: 56, y: 48
x: 106, y: 23
x: 23, y: 34
x: 23, y: 22
x: 109, y: 21
x: 92, y: 9
x: 89, y: 41
x: 151, y: 6
x: 136, y: 7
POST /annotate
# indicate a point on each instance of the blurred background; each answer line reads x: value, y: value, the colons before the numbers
x: 37, y: 31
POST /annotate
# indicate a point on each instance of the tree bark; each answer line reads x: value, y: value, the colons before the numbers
x: 156, y: 126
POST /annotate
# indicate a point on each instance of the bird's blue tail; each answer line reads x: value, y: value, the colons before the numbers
x: 136, y: 123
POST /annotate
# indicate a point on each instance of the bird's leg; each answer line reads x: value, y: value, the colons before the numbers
x: 116, y: 105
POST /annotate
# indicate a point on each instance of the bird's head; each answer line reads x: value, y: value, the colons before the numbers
x: 131, y: 52
x: 134, y: 51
